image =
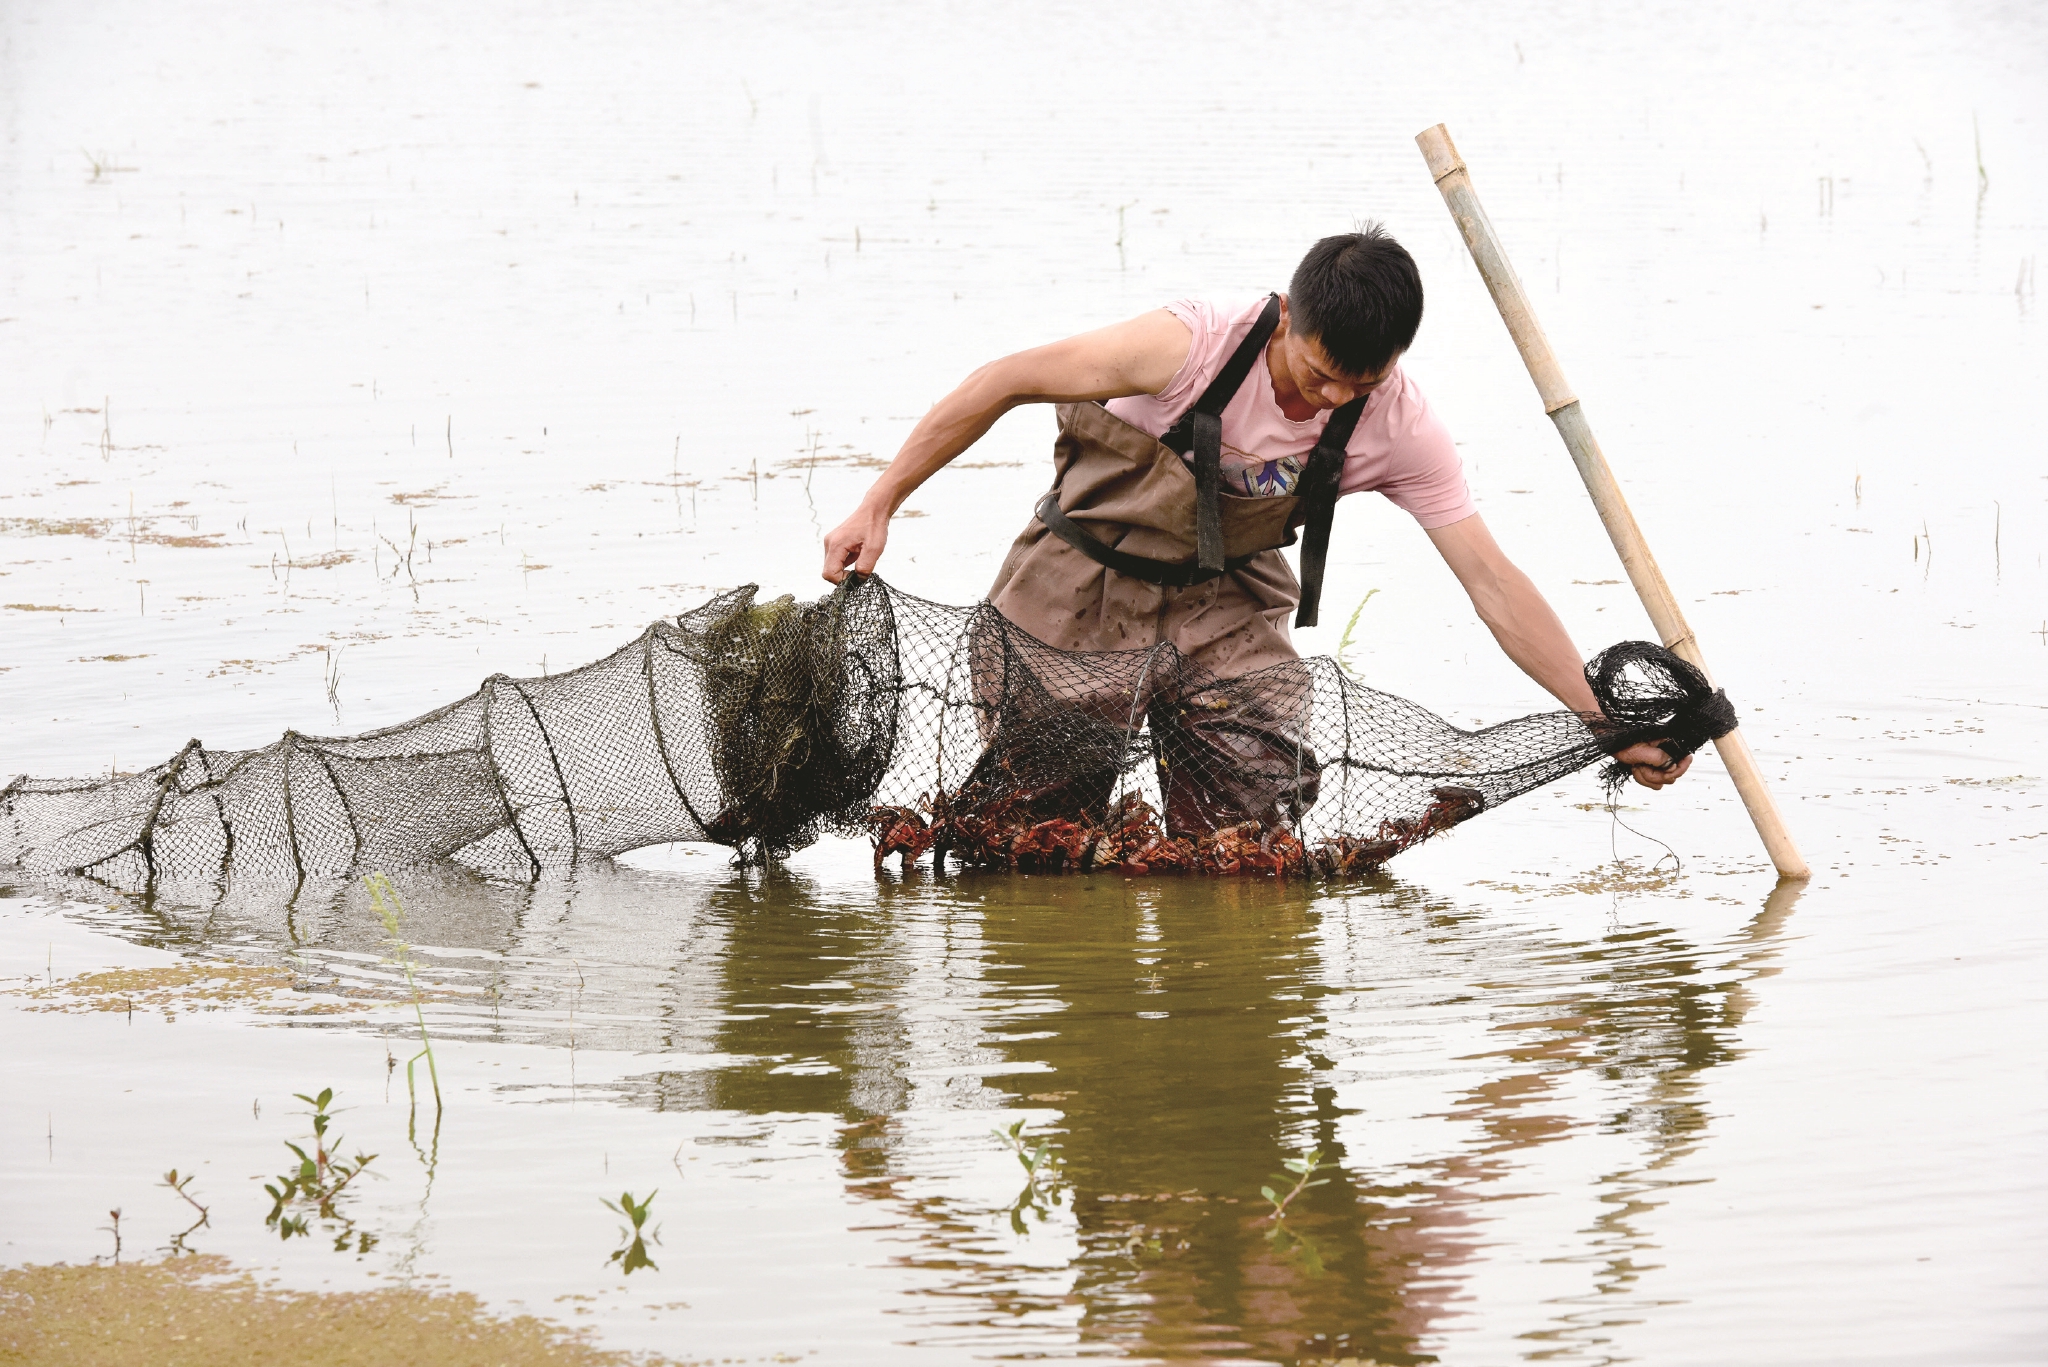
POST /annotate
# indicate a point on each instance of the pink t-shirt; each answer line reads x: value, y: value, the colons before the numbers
x: 1399, y: 447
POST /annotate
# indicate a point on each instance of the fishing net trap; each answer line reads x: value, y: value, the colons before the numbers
x: 941, y: 732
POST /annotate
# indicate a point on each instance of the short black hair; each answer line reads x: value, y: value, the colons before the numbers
x: 1360, y: 295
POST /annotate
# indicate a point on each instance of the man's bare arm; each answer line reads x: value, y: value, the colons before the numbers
x: 1140, y: 356
x: 1531, y: 634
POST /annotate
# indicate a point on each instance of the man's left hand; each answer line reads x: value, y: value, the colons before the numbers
x: 1652, y: 767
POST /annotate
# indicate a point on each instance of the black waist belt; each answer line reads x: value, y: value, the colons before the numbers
x: 1174, y: 573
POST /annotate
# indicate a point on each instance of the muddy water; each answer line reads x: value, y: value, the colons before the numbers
x: 352, y: 360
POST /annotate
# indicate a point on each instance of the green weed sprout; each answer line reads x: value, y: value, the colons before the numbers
x: 1304, y: 1169
x: 1139, y: 1243
x: 115, y: 1230
x: 1283, y: 1239
x: 1042, y: 1174
x: 181, y: 1187
x: 632, y: 1255
x: 391, y: 912
x: 1344, y: 642
x: 319, y: 1180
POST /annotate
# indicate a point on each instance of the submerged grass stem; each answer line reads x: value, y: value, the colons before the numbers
x: 391, y: 911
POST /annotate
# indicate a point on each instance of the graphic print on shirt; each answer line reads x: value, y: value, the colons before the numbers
x: 1244, y: 473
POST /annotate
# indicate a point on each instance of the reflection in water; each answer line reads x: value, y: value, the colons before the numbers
x: 1181, y: 1051
x: 1044, y: 1175
x: 1168, y: 1044
x: 631, y: 1254
x: 182, y: 1188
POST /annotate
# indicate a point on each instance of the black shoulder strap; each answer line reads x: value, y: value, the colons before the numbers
x: 1317, y: 490
x: 1179, y: 438
x: 1200, y: 429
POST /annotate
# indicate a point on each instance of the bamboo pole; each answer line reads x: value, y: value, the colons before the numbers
x: 1447, y: 168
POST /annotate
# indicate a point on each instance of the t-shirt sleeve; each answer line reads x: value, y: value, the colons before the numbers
x: 1422, y: 473
x: 1200, y: 320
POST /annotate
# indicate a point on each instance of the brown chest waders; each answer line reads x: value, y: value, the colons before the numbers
x: 1133, y: 549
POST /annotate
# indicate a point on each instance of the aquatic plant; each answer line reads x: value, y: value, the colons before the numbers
x: 318, y: 1182
x: 1344, y: 642
x: 103, y: 164
x: 180, y: 1186
x: 1141, y: 1242
x: 631, y: 1254
x: 1043, y: 1174
x: 333, y: 679
x: 391, y: 912
x: 115, y: 1230
x: 1039, y: 1162
x: 1283, y: 1238
x: 1304, y: 1170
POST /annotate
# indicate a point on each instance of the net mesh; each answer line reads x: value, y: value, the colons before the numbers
x: 940, y: 731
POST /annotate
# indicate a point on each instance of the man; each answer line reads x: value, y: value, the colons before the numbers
x: 1193, y: 441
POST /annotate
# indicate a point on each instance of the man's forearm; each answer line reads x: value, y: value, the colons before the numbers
x: 1520, y: 620
x: 954, y: 423
x: 1531, y: 635
x: 1529, y: 632
x: 1135, y: 357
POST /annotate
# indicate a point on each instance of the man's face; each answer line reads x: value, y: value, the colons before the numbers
x: 1322, y: 381
x: 1319, y: 379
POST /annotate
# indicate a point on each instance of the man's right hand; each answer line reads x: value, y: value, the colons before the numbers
x: 856, y: 543
x: 1652, y: 767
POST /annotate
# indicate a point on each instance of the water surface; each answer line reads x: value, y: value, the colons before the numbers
x: 352, y: 358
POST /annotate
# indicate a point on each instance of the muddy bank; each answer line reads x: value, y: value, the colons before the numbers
x: 202, y: 1312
